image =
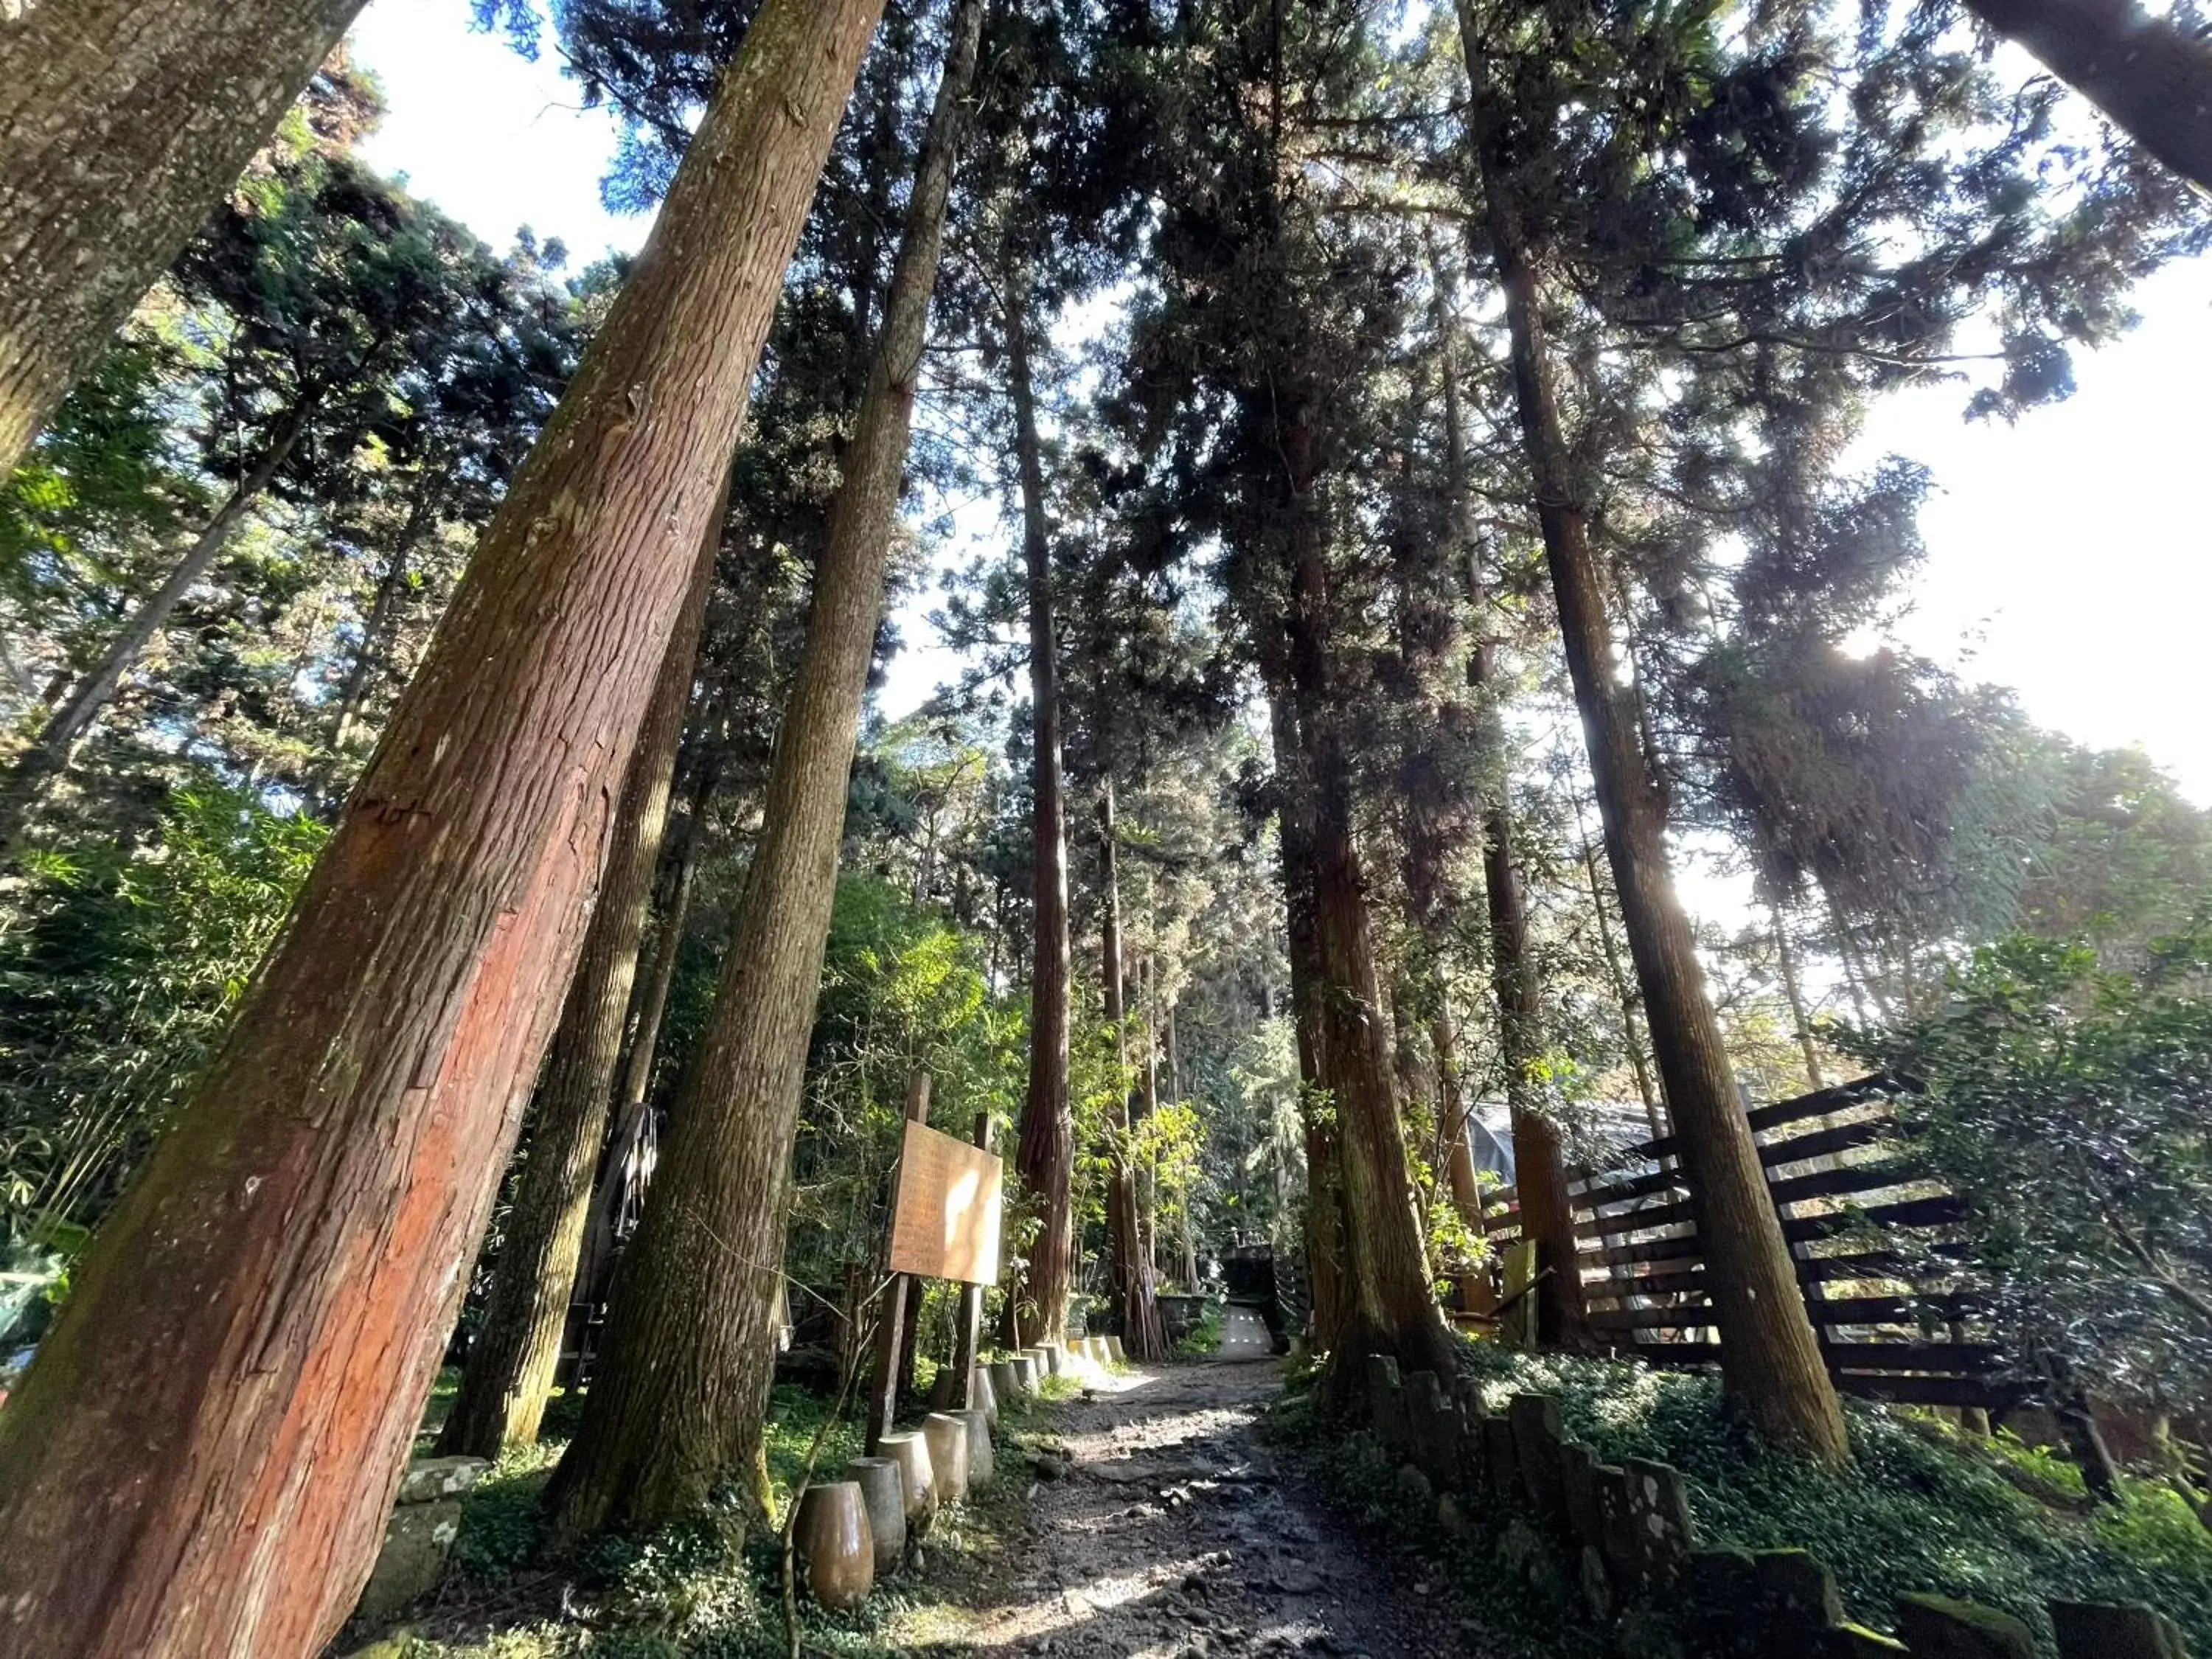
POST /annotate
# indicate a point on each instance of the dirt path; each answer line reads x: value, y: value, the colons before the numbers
x: 1175, y: 1532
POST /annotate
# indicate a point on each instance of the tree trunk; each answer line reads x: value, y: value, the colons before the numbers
x: 510, y: 1365
x: 1539, y: 1166
x: 1390, y: 1307
x: 1045, y: 1154
x: 1624, y: 993
x: 2154, y: 79
x: 1453, y: 1109
x: 1770, y: 1357
x: 689, y: 1351
x: 1143, y: 1337
x: 1324, y: 1216
x: 125, y: 120
x: 370, y: 655
x: 49, y: 753
x: 626, y: 1167
x: 1786, y: 956
x: 203, y: 1456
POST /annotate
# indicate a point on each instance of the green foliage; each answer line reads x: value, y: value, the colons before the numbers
x: 2064, y: 1100
x: 904, y: 989
x: 1923, y: 1508
x: 118, y: 983
x: 1204, y: 1337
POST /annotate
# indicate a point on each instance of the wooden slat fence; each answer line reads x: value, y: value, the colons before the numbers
x: 1871, y: 1239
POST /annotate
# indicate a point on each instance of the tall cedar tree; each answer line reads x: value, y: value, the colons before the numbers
x: 1539, y: 1158
x: 1771, y: 1356
x: 123, y: 121
x: 689, y: 1351
x: 1045, y: 1155
x: 511, y: 1360
x: 201, y: 1454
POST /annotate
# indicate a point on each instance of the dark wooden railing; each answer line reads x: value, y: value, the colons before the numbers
x: 1875, y: 1242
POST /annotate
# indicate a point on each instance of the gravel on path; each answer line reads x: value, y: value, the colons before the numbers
x: 1164, y: 1528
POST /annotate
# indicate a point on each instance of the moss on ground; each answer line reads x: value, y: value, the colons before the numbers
x: 1926, y: 1507
x: 708, y: 1588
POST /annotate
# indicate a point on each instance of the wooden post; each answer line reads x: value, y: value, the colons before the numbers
x: 968, y: 1332
x: 883, y: 1377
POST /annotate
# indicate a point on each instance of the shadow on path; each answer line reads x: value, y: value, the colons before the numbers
x: 1174, y: 1533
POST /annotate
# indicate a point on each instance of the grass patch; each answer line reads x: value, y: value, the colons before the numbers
x: 1925, y: 1508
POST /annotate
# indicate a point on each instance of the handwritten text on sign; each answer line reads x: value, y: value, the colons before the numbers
x: 944, y: 1224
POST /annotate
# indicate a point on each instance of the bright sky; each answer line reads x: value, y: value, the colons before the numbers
x: 2069, y: 556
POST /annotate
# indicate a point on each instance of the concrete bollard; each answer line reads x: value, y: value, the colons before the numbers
x: 1005, y: 1380
x: 882, y: 1495
x: 948, y: 1453
x: 833, y: 1545
x: 983, y: 1394
x: 909, y: 1450
x: 981, y: 1463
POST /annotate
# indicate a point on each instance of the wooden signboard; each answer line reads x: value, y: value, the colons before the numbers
x: 944, y: 1221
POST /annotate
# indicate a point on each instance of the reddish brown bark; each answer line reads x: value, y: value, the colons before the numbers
x: 124, y: 121
x: 1770, y: 1359
x: 1045, y: 1154
x: 689, y: 1351
x: 201, y: 1457
x: 511, y: 1362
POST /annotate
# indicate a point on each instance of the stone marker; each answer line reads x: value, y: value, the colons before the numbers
x: 834, y: 1546
x: 882, y: 1495
x: 917, y: 1474
x: 980, y: 1464
x: 1537, y: 1436
x: 1937, y: 1627
x: 947, y: 1435
x: 1005, y: 1380
x: 1115, y: 1350
x: 426, y: 1514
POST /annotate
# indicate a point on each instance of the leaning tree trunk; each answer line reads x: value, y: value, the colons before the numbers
x: 202, y: 1456
x: 2151, y: 76
x: 124, y: 121
x: 49, y: 753
x: 627, y: 1165
x: 510, y: 1364
x: 1128, y: 1268
x: 1770, y: 1357
x: 689, y: 1350
x: 1045, y: 1154
x: 1390, y: 1307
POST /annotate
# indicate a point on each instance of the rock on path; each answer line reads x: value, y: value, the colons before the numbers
x: 1174, y: 1534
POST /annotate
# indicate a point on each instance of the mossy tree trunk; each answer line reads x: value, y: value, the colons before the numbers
x: 201, y: 1458
x: 679, y: 1401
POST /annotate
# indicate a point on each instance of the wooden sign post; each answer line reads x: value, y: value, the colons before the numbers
x: 944, y: 1224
